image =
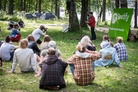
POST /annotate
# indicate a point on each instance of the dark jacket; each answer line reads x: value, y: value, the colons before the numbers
x: 52, y: 72
x: 32, y: 45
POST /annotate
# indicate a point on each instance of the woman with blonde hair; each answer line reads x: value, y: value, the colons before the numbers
x: 24, y: 56
x: 87, y: 43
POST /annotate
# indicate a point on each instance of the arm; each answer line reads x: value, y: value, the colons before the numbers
x: 36, y: 47
x: 71, y: 59
x: 33, y: 62
x: 14, y: 62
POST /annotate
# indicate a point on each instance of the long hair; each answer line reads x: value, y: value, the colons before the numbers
x: 23, y: 43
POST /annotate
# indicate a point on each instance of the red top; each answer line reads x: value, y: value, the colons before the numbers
x: 91, y: 22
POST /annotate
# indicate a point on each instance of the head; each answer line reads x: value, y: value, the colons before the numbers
x: 42, y: 27
x: 51, y: 51
x: 90, y: 14
x: 10, y: 19
x: 30, y: 38
x: 16, y: 26
x: 23, y: 43
x: 52, y: 44
x: 81, y: 48
x: 85, y: 40
x: 47, y: 38
x: 119, y: 39
x: 106, y: 38
x: 106, y: 44
x: 7, y: 39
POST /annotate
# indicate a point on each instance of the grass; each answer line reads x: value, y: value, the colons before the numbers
x: 108, y: 79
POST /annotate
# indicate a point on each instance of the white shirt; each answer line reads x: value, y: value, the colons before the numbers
x: 26, y: 60
x: 5, y: 50
x: 37, y: 33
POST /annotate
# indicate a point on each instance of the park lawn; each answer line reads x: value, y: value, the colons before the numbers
x: 108, y: 79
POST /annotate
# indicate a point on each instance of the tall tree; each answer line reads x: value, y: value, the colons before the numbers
x: 57, y: 8
x: 73, y: 19
x: 10, y: 6
x: 116, y: 3
x: 84, y: 10
x: 39, y: 6
x: 104, y: 10
x: 135, y: 20
x: 0, y: 4
x: 123, y: 3
x: 24, y: 5
x: 21, y: 5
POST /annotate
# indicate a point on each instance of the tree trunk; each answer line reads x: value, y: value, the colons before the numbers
x: 0, y: 4
x: 135, y: 20
x: 57, y: 8
x: 11, y: 6
x: 39, y: 6
x: 24, y: 5
x: 84, y: 10
x: 117, y: 3
x: 21, y: 5
x: 73, y: 19
x: 104, y: 10
x: 123, y: 3
x: 4, y: 6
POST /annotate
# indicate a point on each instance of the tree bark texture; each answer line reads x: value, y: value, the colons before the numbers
x: 123, y: 3
x: 73, y: 19
x: 11, y: 7
x: 84, y: 10
x: 104, y: 10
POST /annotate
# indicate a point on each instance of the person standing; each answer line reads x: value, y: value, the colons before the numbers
x: 91, y: 22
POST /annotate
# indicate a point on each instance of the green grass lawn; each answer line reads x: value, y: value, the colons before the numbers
x: 108, y: 79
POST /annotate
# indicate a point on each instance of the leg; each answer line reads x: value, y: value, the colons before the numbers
x: 72, y: 69
x: 93, y: 33
x: 39, y: 41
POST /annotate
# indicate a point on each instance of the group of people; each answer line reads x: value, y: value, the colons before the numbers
x: 45, y: 60
x: 14, y: 28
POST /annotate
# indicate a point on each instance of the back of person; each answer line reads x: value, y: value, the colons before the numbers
x: 109, y: 56
x: 5, y: 50
x: 24, y: 57
x: 52, y: 72
x: 121, y: 51
x: 83, y: 73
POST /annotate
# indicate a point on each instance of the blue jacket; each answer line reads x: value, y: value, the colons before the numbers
x: 109, y: 56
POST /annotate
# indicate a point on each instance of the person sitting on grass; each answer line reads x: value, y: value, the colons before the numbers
x: 44, y: 44
x: 24, y: 56
x: 109, y: 56
x: 10, y: 24
x: 21, y: 23
x: 121, y: 49
x: 7, y: 49
x: 52, y: 72
x: 15, y: 33
x: 106, y: 39
x: 83, y: 72
x: 33, y: 45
